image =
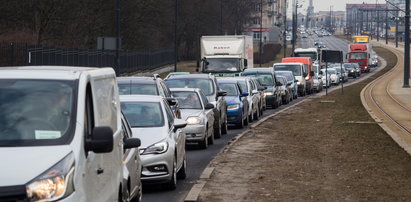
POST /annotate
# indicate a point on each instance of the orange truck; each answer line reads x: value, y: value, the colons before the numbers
x: 359, y: 53
x: 308, y: 70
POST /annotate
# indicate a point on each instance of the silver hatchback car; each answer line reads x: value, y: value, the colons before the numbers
x: 162, y: 150
x: 198, y: 113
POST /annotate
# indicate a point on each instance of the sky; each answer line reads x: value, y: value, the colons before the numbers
x: 338, y: 5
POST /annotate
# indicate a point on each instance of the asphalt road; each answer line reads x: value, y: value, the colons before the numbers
x: 198, y: 159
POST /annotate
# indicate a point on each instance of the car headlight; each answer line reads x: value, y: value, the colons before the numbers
x: 157, y: 148
x: 352, y: 70
x: 298, y: 83
x: 365, y: 67
x: 54, y: 184
x: 193, y: 120
x: 268, y: 93
x: 234, y: 107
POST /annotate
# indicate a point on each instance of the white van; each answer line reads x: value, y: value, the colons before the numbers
x: 299, y: 74
x: 60, y: 134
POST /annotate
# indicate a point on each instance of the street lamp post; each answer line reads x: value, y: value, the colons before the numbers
x: 261, y: 32
x: 407, y: 45
x: 285, y: 29
x: 117, y: 62
x: 175, y: 34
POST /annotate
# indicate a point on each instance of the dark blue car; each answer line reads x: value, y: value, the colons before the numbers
x: 237, y: 104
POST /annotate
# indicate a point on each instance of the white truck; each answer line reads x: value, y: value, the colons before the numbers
x: 226, y: 55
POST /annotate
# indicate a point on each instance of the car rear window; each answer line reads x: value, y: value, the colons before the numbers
x: 143, y: 114
x: 137, y: 89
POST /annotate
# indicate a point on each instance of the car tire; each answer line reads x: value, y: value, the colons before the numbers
x: 204, y: 143
x: 256, y: 115
x: 172, y: 184
x: 241, y: 123
x: 246, y: 121
x: 217, y: 131
x: 182, y: 173
x: 211, y: 138
x: 224, y: 127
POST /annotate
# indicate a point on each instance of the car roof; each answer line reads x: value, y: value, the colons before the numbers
x: 141, y: 98
x: 187, y: 76
x: 185, y: 89
x: 257, y: 70
x: 136, y: 79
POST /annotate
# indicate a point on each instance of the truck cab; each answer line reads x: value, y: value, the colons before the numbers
x: 226, y: 55
x: 359, y: 53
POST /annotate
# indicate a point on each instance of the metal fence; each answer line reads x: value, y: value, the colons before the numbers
x: 16, y: 54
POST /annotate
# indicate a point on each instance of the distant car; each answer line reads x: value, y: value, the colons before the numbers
x: 334, y: 76
x: 326, y: 79
x: 350, y: 69
x: 357, y: 68
x: 288, y: 38
x: 291, y: 81
x: 341, y: 72
x: 176, y: 73
x: 237, y: 103
x: 208, y: 84
x: 267, y: 79
x: 260, y: 94
x: 198, y: 113
x: 143, y: 85
x: 247, y: 86
x: 318, y: 83
x: 286, y: 92
x: 162, y: 151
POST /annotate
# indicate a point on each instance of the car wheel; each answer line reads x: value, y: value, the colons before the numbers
x: 182, y: 173
x: 217, y: 131
x: 257, y: 114
x: 246, y: 121
x: 274, y: 105
x: 172, y: 184
x: 211, y: 138
x: 204, y: 143
x: 224, y: 127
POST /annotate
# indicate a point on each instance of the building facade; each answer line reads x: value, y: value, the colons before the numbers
x: 363, y: 17
x: 272, y: 20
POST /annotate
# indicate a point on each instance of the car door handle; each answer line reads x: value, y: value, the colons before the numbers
x: 100, y: 171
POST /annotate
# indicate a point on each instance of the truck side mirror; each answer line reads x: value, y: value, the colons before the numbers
x: 304, y: 74
x: 245, y: 63
x: 312, y: 73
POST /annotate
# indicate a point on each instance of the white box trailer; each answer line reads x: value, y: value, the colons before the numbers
x: 226, y: 55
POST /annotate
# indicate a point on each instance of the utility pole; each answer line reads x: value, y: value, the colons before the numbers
x: 294, y: 6
x: 175, y: 34
x: 117, y: 34
x: 396, y: 30
x: 386, y: 27
x: 261, y: 32
x: 221, y: 17
x: 407, y: 45
x: 285, y: 29
x: 378, y: 25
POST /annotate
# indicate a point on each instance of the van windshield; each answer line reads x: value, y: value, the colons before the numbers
x: 222, y: 65
x: 36, y: 112
x: 312, y: 55
x: 296, y: 69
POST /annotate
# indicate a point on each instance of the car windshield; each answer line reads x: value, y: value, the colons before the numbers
x: 348, y: 66
x: 187, y: 100
x: 312, y: 55
x: 230, y: 88
x: 204, y: 84
x: 332, y: 71
x: 281, y: 80
x: 358, y: 56
x: 137, y: 89
x: 296, y: 69
x: 222, y: 65
x: 265, y: 79
x: 143, y: 114
x: 36, y: 112
x: 288, y: 76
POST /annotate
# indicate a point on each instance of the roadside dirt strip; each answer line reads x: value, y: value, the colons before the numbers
x: 325, y: 148
x: 390, y: 104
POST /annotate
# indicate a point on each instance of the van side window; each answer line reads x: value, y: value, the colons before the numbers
x: 105, y: 98
x: 88, y: 114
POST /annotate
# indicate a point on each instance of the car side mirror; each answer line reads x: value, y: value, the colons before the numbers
x: 244, y: 94
x: 131, y: 143
x: 178, y: 124
x: 101, y: 140
x: 245, y: 63
x: 221, y: 93
x: 304, y: 74
x: 296, y: 80
x: 278, y: 83
x: 172, y: 101
x: 254, y: 92
x: 209, y: 106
